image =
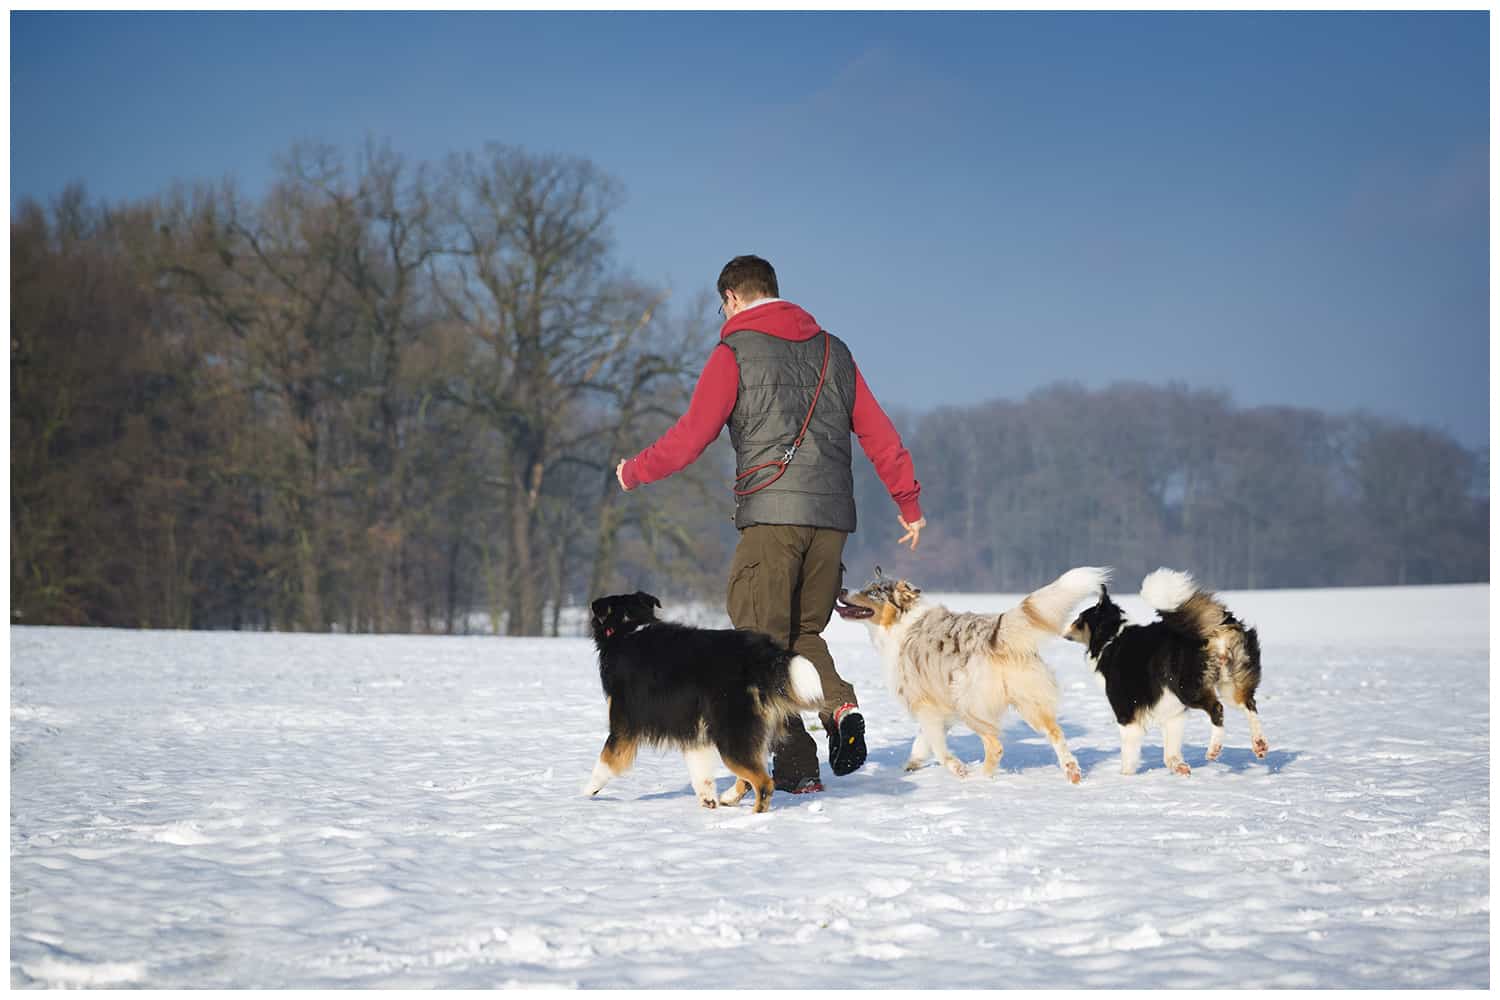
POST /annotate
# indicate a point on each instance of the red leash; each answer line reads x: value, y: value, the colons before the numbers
x: 786, y: 459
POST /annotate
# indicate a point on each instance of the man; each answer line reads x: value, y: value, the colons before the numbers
x: 773, y: 375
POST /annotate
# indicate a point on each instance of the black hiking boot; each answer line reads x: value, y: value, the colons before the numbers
x: 846, y: 740
x: 789, y: 772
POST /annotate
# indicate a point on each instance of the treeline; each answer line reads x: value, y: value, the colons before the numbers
x: 388, y: 396
x: 385, y: 396
x: 1137, y: 476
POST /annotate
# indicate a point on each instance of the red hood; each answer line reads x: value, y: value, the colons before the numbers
x: 786, y: 320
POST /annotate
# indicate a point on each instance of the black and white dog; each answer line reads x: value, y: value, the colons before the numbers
x: 1196, y: 654
x: 712, y: 693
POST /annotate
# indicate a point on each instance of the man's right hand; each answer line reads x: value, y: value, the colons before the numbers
x: 913, y: 530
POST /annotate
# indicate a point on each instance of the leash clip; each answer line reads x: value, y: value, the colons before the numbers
x: 785, y: 459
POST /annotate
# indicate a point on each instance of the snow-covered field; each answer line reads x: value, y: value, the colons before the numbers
x: 210, y: 809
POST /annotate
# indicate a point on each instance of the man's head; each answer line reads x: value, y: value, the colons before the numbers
x: 745, y: 279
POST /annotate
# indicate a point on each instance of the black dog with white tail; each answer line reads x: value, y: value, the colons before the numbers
x: 711, y: 693
x: 1197, y: 655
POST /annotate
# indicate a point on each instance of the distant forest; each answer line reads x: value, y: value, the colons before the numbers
x: 388, y: 396
x: 1137, y: 476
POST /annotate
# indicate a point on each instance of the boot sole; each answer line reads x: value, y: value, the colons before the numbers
x: 851, y: 752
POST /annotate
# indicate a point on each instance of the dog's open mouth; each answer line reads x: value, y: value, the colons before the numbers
x: 851, y: 611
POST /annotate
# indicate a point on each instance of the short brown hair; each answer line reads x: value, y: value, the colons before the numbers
x: 750, y: 277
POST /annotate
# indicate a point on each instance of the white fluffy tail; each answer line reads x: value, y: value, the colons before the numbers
x: 1181, y: 603
x: 1050, y: 609
x: 1167, y: 589
x: 806, y: 686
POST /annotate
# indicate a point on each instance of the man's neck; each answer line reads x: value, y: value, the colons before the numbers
x: 758, y: 302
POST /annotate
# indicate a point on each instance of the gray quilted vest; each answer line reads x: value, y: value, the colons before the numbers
x: 777, y: 381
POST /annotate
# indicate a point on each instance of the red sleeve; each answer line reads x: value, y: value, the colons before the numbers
x: 707, y: 413
x: 878, y: 437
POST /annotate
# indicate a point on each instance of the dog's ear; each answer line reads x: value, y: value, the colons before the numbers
x: 1103, y: 592
x: 600, y: 607
x: 879, y: 573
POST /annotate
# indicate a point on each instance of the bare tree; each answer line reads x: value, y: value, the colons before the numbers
x: 528, y: 276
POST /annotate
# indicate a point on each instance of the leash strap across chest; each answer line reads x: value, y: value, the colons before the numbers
x: 781, y: 463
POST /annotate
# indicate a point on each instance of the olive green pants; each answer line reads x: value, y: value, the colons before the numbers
x: 783, y: 581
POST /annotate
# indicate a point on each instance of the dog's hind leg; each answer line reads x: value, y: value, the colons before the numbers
x: 1044, y: 721
x: 1171, y: 743
x: 754, y: 776
x: 1258, y: 742
x: 701, y: 762
x: 989, y: 735
x: 734, y: 792
x: 614, y: 760
x: 1215, y: 710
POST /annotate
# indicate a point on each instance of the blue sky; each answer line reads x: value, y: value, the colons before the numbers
x: 1292, y: 207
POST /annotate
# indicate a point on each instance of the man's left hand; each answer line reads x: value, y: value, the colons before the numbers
x: 913, y: 531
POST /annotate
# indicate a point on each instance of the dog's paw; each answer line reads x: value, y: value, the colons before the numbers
x: 1071, y: 770
x: 1261, y: 747
x: 957, y: 767
x: 1180, y: 767
x: 1214, y: 751
x: 708, y: 803
x: 915, y: 765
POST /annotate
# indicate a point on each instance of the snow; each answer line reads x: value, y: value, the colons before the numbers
x: 236, y: 810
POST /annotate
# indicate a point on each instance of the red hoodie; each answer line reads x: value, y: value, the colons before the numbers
x: 718, y: 388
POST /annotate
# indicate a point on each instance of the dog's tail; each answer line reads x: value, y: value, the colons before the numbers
x: 1183, y: 606
x: 1049, y: 611
x: 803, y: 683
